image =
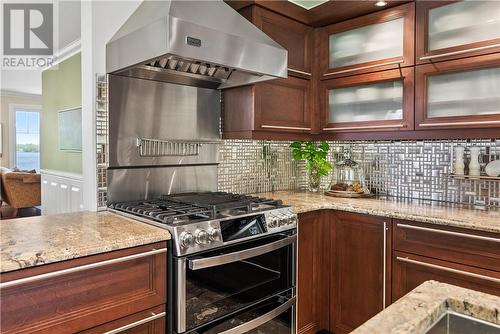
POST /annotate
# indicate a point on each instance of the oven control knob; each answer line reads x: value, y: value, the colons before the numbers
x: 187, y: 239
x: 293, y: 220
x: 283, y: 221
x: 201, y: 237
x: 273, y: 222
x: 213, y: 234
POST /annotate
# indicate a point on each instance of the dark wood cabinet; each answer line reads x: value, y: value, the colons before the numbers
x: 79, y: 294
x: 360, y: 277
x: 152, y: 321
x: 462, y: 93
x: 276, y: 106
x: 368, y: 102
x: 448, y: 30
x: 290, y: 34
x: 280, y: 108
x: 462, y: 257
x: 410, y: 270
x: 374, y: 42
x: 313, y: 276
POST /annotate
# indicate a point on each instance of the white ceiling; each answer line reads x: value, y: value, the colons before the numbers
x: 30, y: 81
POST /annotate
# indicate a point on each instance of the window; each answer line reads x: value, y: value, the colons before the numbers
x: 25, y: 145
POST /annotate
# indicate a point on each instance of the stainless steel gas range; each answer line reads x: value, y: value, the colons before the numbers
x: 233, y: 256
x: 233, y: 260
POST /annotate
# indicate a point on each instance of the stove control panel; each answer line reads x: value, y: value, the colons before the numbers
x: 193, y: 238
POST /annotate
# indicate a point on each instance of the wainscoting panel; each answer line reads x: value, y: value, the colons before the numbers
x: 61, y: 192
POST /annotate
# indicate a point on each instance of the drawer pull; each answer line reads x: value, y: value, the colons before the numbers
x: 366, y: 127
x: 459, y: 52
x: 384, y: 278
x: 284, y: 127
x: 460, y: 123
x: 136, y: 323
x: 364, y: 67
x: 451, y: 270
x: 299, y: 72
x: 458, y: 234
x: 62, y: 272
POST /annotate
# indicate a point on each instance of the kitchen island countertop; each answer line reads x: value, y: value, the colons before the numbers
x: 415, y: 312
x: 455, y: 215
x: 34, y: 241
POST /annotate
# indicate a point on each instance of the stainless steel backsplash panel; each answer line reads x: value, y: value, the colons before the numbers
x: 154, y: 110
x: 149, y: 183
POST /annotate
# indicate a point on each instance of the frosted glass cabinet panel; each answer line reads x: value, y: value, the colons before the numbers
x: 464, y: 94
x: 374, y: 102
x: 365, y: 44
x: 453, y: 30
x: 463, y: 23
x: 369, y: 102
x: 379, y: 41
x: 460, y: 93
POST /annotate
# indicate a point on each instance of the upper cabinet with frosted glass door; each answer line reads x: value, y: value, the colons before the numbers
x: 460, y: 93
x: 379, y: 41
x: 448, y: 30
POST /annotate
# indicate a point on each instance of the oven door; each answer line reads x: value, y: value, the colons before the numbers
x: 274, y: 315
x: 216, y: 284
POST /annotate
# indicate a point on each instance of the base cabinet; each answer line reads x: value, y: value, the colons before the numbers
x: 409, y: 271
x: 312, y: 282
x: 359, y: 277
x: 76, y: 295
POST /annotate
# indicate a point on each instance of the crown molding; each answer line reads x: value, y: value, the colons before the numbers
x: 67, y: 52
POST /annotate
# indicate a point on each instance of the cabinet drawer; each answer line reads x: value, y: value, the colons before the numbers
x: 151, y: 321
x: 409, y: 271
x: 71, y: 296
x: 474, y: 248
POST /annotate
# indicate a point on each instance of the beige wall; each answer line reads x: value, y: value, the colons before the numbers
x: 5, y: 101
x: 61, y: 89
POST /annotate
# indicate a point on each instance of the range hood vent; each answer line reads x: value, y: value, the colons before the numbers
x: 197, y: 43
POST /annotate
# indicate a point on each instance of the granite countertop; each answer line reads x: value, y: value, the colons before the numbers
x: 29, y: 242
x: 422, y: 307
x: 427, y: 212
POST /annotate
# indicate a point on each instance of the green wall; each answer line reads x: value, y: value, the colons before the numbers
x: 61, y: 89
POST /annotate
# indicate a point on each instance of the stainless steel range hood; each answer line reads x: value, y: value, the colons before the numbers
x: 197, y: 43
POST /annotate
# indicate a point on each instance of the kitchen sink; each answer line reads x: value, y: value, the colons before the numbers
x: 456, y: 323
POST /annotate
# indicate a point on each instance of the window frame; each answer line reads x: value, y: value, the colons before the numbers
x: 13, y: 108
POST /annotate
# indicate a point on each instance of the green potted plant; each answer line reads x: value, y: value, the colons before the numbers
x: 315, y: 156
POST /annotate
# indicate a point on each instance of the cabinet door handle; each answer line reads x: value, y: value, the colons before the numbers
x: 153, y: 317
x: 364, y: 67
x: 284, y: 127
x: 62, y: 272
x: 366, y: 127
x: 451, y: 270
x: 299, y: 72
x: 460, y: 123
x: 384, y: 275
x: 459, y: 52
x: 458, y: 234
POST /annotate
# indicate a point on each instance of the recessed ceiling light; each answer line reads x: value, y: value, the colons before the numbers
x: 380, y: 3
x: 308, y: 4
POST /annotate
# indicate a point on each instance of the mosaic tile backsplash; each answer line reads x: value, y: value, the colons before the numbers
x: 403, y: 169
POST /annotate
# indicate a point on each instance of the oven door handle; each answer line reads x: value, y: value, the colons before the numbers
x: 248, y: 326
x: 214, y: 261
